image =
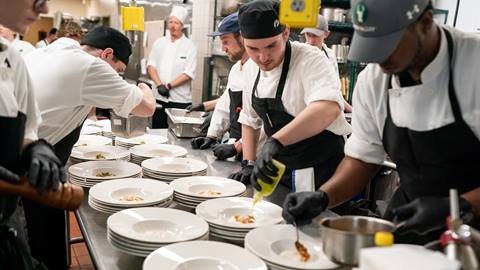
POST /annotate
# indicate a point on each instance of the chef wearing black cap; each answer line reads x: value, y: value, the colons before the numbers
x: 71, y: 79
x: 293, y: 91
x: 419, y: 103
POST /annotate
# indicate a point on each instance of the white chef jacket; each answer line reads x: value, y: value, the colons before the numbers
x: 17, y: 93
x: 422, y: 107
x: 70, y: 82
x: 331, y: 57
x: 22, y: 46
x: 221, y: 115
x: 41, y: 44
x: 171, y: 59
x: 310, y: 78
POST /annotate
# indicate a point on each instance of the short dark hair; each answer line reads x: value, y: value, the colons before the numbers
x: 52, y: 31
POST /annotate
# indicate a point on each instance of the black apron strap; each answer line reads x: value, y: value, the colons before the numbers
x: 457, y: 113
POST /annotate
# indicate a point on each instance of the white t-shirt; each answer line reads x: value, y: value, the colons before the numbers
x: 171, y: 59
x: 17, y: 93
x: 422, y: 107
x: 310, y: 78
x: 221, y: 115
x: 70, y: 82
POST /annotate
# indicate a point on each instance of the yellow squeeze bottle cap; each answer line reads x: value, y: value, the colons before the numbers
x: 383, y: 239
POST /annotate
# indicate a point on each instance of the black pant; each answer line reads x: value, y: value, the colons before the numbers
x: 159, y: 119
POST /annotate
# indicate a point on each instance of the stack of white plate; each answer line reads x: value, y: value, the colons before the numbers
x: 102, y: 152
x: 169, y: 169
x: 106, y: 126
x: 140, y: 231
x: 191, y: 191
x: 92, y: 140
x: 116, y: 195
x: 140, y: 153
x: 202, y: 255
x: 275, y: 245
x: 87, y: 174
x: 90, y: 130
x: 144, y: 139
x: 232, y: 218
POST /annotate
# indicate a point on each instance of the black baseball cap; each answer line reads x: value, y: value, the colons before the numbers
x: 259, y: 19
x: 103, y: 37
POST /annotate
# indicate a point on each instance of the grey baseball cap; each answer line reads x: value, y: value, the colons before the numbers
x: 379, y: 26
x: 322, y: 27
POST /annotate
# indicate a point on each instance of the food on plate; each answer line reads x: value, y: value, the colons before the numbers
x: 83, y: 144
x: 209, y: 193
x: 302, y: 251
x: 100, y: 156
x: 104, y: 174
x: 248, y: 219
x: 141, y: 142
x: 131, y: 198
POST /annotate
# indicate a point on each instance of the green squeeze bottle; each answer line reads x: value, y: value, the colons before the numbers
x: 267, y: 189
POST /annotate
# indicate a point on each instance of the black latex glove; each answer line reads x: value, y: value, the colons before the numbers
x: 195, y: 108
x: 44, y: 169
x: 206, y: 123
x: 162, y: 90
x: 301, y: 207
x: 203, y: 142
x: 425, y: 214
x: 264, y: 167
x: 243, y: 175
x: 224, y: 151
x: 9, y: 176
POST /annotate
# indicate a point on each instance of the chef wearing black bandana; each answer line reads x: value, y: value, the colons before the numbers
x: 294, y: 93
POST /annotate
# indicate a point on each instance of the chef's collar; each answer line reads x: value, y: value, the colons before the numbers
x: 439, y: 63
x: 3, y: 44
x: 68, y: 41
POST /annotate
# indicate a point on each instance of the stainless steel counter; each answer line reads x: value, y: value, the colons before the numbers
x: 93, y: 223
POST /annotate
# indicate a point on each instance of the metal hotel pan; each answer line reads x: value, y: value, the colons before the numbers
x: 184, y: 124
x: 344, y: 236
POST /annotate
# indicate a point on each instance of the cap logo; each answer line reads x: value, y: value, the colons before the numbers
x: 411, y: 13
x: 276, y: 23
x: 361, y: 12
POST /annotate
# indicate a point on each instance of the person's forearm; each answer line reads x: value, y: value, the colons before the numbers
x: 473, y: 197
x: 92, y: 115
x: 350, y: 178
x: 315, y: 118
x: 146, y: 107
x: 152, y: 72
x: 249, y: 142
x: 210, y: 105
x: 183, y: 78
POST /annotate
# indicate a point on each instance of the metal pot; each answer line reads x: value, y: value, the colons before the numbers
x: 343, y: 237
x: 333, y: 14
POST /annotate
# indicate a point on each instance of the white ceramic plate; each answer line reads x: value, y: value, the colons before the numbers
x: 101, y: 152
x: 88, y: 129
x: 207, y: 187
x: 276, y: 244
x: 157, y: 225
x: 158, y: 150
x: 223, y: 211
x: 202, y: 255
x: 144, y: 139
x: 92, y: 140
x: 174, y: 166
x: 118, y: 169
x: 115, y: 192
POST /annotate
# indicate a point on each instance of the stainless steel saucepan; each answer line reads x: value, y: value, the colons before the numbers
x: 343, y: 237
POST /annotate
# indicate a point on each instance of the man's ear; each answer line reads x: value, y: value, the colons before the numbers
x: 107, y: 53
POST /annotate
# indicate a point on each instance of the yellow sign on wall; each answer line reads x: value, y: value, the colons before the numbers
x: 299, y: 13
x: 133, y: 19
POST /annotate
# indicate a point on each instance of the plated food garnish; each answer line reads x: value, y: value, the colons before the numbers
x: 131, y: 198
x: 104, y: 174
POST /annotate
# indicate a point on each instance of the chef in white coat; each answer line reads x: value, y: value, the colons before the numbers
x: 316, y: 37
x: 171, y: 65
x: 71, y: 78
x: 293, y: 92
x: 419, y: 103
x: 22, y: 153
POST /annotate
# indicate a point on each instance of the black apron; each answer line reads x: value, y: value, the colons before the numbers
x: 235, y: 129
x: 432, y: 162
x: 47, y: 226
x: 323, y: 151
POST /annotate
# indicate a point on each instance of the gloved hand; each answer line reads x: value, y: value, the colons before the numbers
x: 163, y: 90
x: 301, y: 207
x: 426, y: 214
x: 9, y: 176
x: 203, y: 142
x: 206, y: 123
x: 196, y: 107
x: 224, y: 151
x: 264, y: 167
x: 43, y: 166
x: 243, y: 175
